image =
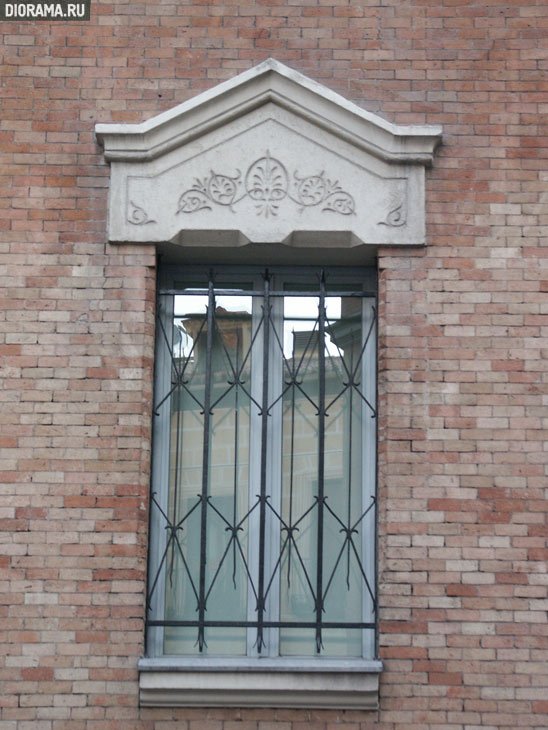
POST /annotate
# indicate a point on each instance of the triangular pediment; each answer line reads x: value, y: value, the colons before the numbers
x: 269, y: 156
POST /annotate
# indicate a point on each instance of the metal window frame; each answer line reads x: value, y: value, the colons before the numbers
x: 168, y: 288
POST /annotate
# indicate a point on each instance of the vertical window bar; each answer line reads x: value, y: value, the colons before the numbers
x: 349, y: 462
x: 321, y: 460
x: 205, y: 465
x: 264, y: 434
x: 293, y: 376
x: 236, y: 454
x: 176, y: 396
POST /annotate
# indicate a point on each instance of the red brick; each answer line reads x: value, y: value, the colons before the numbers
x: 462, y: 343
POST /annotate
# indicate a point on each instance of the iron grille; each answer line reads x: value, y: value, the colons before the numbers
x: 236, y: 369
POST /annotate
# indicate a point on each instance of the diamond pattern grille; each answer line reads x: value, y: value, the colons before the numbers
x: 212, y: 390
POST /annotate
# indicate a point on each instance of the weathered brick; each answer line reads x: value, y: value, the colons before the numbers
x: 462, y: 347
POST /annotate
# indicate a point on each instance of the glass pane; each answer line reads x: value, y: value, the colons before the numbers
x: 341, y: 582
x: 299, y: 473
x: 343, y: 484
x: 307, y: 437
x: 225, y: 584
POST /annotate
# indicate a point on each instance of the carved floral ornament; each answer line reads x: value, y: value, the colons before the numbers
x: 267, y: 182
x: 354, y: 173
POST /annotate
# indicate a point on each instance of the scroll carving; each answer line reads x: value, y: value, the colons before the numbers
x: 396, y: 216
x: 267, y: 182
x: 138, y: 215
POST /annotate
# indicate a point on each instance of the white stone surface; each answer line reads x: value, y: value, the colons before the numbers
x: 269, y: 156
x: 259, y: 688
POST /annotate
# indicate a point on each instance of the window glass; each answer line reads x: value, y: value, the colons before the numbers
x: 263, y: 519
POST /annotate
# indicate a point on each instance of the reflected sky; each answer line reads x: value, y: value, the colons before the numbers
x: 300, y: 314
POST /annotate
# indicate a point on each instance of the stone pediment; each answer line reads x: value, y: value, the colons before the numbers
x: 271, y: 157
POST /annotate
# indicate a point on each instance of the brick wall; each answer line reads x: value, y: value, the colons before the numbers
x: 463, y: 384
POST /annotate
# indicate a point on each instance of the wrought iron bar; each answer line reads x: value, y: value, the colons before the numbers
x: 349, y: 464
x: 264, y: 433
x: 179, y: 372
x: 190, y: 291
x: 178, y: 444
x: 236, y: 453
x: 321, y: 460
x: 292, y: 461
x: 291, y: 538
x: 268, y: 624
x: 205, y: 464
x: 300, y: 371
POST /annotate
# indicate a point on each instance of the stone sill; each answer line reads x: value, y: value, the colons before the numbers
x: 174, y: 682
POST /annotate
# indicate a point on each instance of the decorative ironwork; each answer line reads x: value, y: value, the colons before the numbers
x: 195, y: 380
x: 267, y: 183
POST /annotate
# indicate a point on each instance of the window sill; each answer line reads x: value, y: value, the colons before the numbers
x: 343, y: 684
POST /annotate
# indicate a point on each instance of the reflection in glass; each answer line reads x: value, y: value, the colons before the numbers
x: 342, y: 484
x: 268, y: 530
x: 228, y: 473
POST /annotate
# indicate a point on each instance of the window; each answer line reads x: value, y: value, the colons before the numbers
x: 263, y: 509
x: 263, y: 502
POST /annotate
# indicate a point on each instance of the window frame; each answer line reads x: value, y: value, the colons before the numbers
x: 156, y: 664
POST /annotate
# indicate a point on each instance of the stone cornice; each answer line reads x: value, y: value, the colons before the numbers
x: 268, y: 157
x: 269, y: 82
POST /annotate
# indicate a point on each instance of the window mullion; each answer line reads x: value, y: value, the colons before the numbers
x: 274, y: 471
x: 255, y: 453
